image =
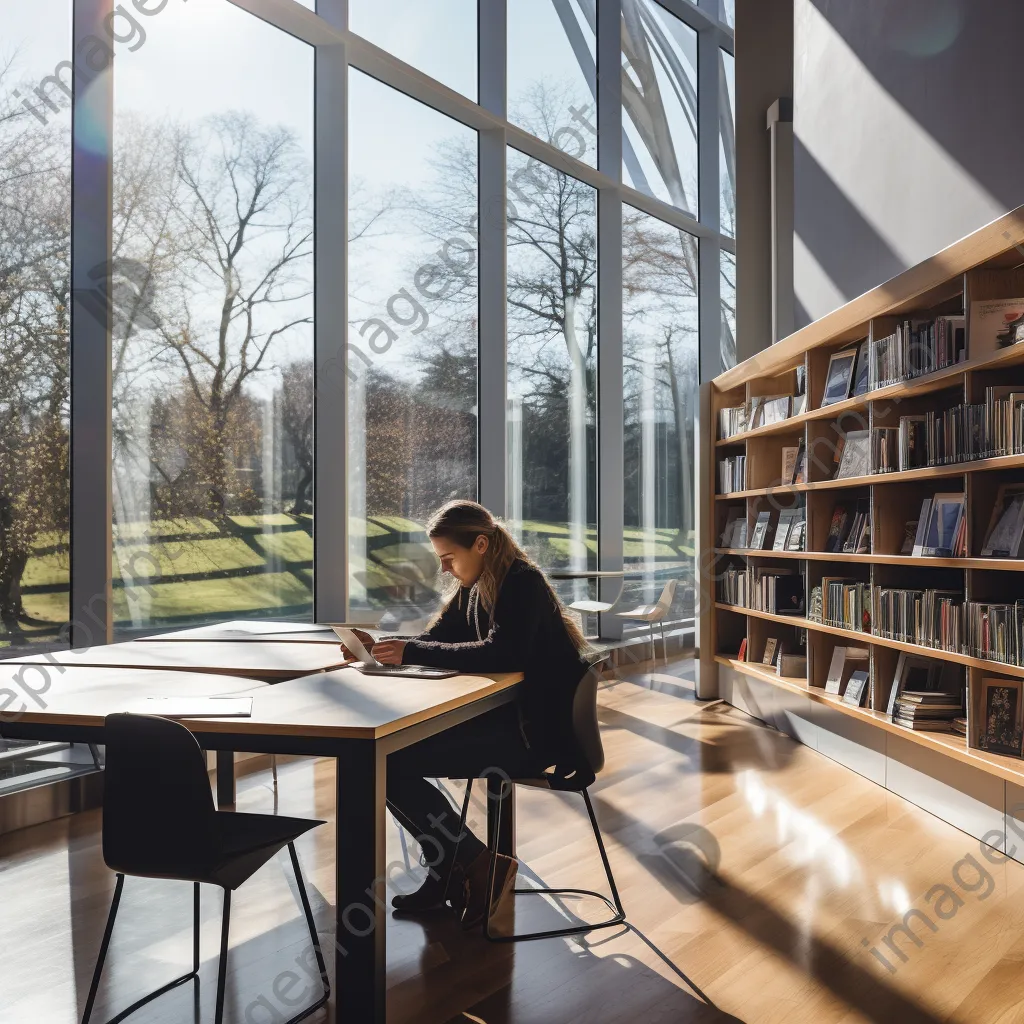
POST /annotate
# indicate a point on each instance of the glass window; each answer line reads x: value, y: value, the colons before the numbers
x: 660, y: 374
x: 439, y: 38
x: 35, y: 242
x: 727, y: 12
x: 552, y: 74
x: 727, y: 141
x: 552, y: 360
x: 659, y: 97
x: 213, y: 336
x: 728, y: 291
x: 412, y: 342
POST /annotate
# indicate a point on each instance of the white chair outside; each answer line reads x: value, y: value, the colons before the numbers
x: 598, y: 607
x: 654, y: 613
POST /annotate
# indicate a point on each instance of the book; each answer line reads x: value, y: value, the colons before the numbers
x: 770, y: 647
x: 774, y: 409
x: 731, y: 421
x: 861, y: 373
x: 858, y: 536
x: 845, y: 661
x: 760, y: 536
x: 742, y: 656
x: 856, y: 688
x: 856, y: 456
x: 735, y: 525
x: 839, y: 379
x: 909, y: 535
x: 797, y: 533
x: 1001, y: 716
x: 787, y: 517
x: 884, y: 449
x: 788, y: 597
x: 943, y: 537
x: 1006, y: 525
x: 917, y: 346
x: 996, y: 324
x: 792, y: 665
x: 914, y: 673
x: 789, y: 457
x: 732, y: 474
x: 800, y: 472
x: 754, y: 413
x: 838, y: 528
x: 922, y: 527
x: 913, y: 442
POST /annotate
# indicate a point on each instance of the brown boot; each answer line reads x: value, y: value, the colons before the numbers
x: 476, y: 883
x: 434, y: 894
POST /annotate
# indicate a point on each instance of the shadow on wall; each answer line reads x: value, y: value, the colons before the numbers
x: 908, y: 127
x: 953, y: 65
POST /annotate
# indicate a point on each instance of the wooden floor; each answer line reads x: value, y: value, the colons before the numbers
x: 760, y: 878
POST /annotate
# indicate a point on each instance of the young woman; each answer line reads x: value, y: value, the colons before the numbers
x: 499, y: 615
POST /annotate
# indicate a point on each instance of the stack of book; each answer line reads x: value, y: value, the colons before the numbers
x: 884, y: 449
x: 929, y: 710
x: 732, y: 474
x: 732, y: 421
x: 994, y: 631
x: 918, y: 347
x: 846, y: 603
x: 959, y: 726
x: 931, y: 618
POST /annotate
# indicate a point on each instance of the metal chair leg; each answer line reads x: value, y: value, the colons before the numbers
x: 619, y: 914
x: 222, y: 967
x: 192, y: 975
x: 273, y: 769
x: 195, y: 928
x: 317, y: 951
x: 107, y: 932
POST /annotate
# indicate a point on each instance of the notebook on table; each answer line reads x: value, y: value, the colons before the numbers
x: 369, y: 665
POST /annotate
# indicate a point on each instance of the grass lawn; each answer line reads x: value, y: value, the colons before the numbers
x: 263, y: 563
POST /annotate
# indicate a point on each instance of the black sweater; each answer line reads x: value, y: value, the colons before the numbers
x: 525, y: 634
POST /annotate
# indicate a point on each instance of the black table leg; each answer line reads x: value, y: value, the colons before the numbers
x: 501, y: 803
x: 360, y: 957
x: 225, y: 779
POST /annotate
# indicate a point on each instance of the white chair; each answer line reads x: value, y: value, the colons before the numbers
x: 654, y: 613
x: 598, y: 607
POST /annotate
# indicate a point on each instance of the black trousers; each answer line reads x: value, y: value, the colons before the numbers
x: 489, y: 746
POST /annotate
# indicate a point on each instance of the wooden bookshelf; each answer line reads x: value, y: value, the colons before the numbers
x: 986, y: 265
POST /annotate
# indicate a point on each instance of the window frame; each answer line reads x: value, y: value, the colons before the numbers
x: 338, y: 49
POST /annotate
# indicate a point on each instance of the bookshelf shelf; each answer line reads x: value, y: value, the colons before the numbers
x: 911, y: 561
x: 984, y: 267
x: 1008, y: 768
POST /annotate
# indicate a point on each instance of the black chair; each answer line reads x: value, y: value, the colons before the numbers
x: 159, y: 822
x: 573, y: 774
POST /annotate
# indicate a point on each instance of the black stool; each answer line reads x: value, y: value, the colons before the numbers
x: 159, y: 822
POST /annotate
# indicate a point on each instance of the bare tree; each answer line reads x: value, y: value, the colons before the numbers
x: 218, y: 225
x: 34, y: 353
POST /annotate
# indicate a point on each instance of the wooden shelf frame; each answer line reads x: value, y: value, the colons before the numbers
x: 987, y: 264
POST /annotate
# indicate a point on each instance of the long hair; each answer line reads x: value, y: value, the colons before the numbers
x: 464, y: 521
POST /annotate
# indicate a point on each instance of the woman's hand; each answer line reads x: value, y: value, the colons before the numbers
x: 389, y: 652
x: 364, y: 638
